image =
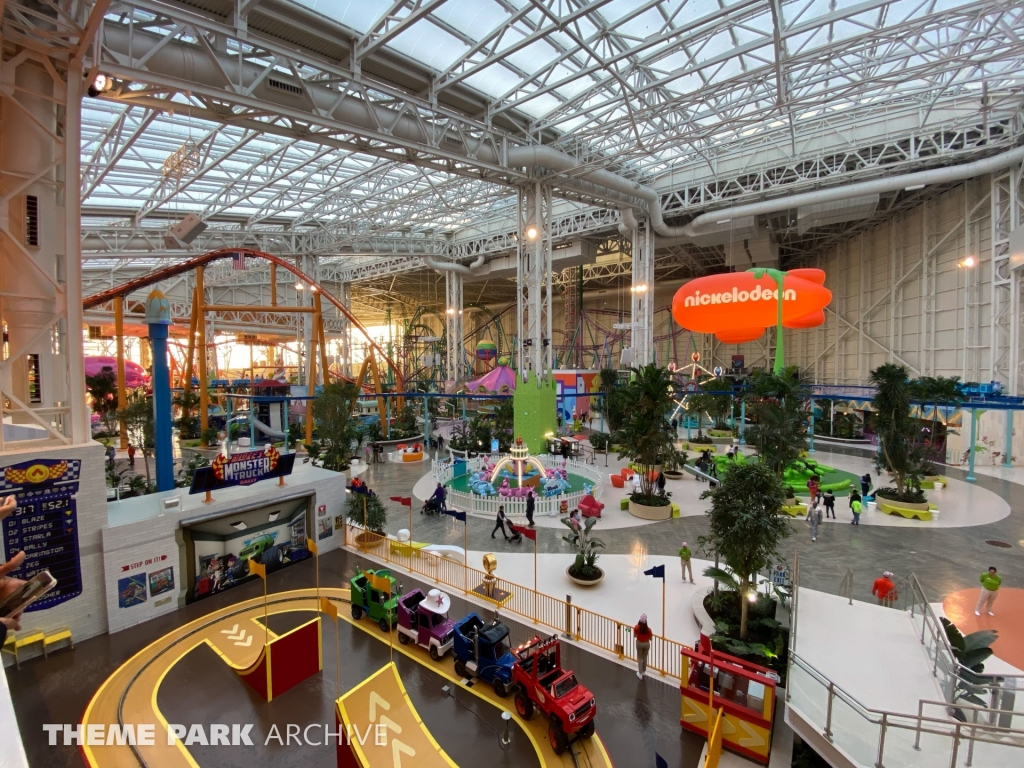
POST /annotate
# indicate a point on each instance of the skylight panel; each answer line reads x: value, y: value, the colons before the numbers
x: 428, y: 43
x: 474, y: 18
x: 534, y: 57
x: 360, y: 15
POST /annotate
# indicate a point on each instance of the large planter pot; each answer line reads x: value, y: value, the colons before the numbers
x: 645, y: 512
x: 672, y: 474
x: 582, y: 582
x: 367, y: 540
x: 902, y: 504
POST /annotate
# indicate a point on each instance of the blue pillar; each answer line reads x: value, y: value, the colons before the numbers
x: 227, y: 425
x: 810, y: 448
x: 974, y: 436
x: 252, y: 423
x: 743, y: 420
x: 1008, y: 453
x: 158, y: 318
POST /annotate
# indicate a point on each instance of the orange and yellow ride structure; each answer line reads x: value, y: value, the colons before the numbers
x: 741, y: 691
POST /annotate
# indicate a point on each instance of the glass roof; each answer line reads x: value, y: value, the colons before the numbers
x: 655, y: 84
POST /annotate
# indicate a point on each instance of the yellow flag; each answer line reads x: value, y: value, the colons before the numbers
x: 329, y: 608
x: 380, y: 583
x: 311, y: 546
x: 257, y: 568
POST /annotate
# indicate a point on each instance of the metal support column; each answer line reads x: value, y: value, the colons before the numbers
x: 122, y: 389
x: 534, y: 281
x: 204, y: 392
x: 454, y: 336
x: 642, y: 295
x: 974, y: 436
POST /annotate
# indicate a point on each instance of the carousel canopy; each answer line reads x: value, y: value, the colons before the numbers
x: 500, y: 381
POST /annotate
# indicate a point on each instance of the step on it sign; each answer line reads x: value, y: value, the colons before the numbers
x: 242, y: 469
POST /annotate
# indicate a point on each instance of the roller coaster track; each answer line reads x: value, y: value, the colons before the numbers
x: 126, y: 288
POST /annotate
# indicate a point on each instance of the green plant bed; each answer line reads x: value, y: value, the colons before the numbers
x: 650, y: 501
x: 702, y: 440
x: 767, y: 640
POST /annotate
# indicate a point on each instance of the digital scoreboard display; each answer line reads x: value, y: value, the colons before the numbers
x: 45, y: 525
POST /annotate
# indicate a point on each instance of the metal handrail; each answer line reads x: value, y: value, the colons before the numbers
x: 885, y: 720
x: 846, y: 586
x: 973, y: 732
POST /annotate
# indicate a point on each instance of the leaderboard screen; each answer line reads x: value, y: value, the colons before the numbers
x: 45, y: 525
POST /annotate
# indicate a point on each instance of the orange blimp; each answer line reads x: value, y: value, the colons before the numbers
x: 738, y: 306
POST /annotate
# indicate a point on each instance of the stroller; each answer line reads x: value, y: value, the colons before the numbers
x: 514, y: 536
x: 431, y: 506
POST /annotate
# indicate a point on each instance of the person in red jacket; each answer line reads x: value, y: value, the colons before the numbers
x: 643, y: 636
x: 884, y: 590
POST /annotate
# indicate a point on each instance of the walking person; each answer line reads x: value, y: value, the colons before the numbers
x: 990, y: 583
x: 829, y: 500
x: 855, y: 507
x: 814, y: 487
x: 131, y: 455
x: 661, y: 483
x: 500, y: 523
x: 366, y: 452
x: 865, y: 484
x: 814, y: 518
x: 530, y: 503
x: 684, y: 561
x: 643, y: 635
x: 884, y: 590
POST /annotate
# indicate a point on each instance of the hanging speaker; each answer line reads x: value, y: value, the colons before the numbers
x: 184, y: 232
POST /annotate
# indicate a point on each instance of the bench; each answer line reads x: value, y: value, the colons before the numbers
x: 18, y: 640
x: 406, y: 548
x: 892, y: 509
x: 58, y: 636
x: 624, y: 503
x: 676, y: 512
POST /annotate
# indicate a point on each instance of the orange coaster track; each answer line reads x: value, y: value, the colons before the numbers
x: 124, y: 289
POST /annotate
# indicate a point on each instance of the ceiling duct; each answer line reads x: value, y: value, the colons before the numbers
x: 824, y: 214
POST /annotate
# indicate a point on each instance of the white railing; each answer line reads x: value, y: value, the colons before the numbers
x: 487, y: 506
x: 984, y: 736
x: 870, y: 738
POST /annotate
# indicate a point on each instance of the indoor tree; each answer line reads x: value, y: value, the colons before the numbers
x: 899, y: 455
x: 337, y: 429
x: 746, y: 525
x: 646, y: 438
x: 373, y: 514
x: 102, y: 389
x: 187, y: 401
x: 776, y: 406
x: 137, y: 416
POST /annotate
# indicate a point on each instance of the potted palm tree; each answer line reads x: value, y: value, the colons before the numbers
x: 645, y: 437
x: 584, y: 570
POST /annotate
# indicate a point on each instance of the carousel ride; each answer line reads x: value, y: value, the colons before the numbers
x: 520, y: 474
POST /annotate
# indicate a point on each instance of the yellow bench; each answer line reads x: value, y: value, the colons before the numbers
x: 59, y: 636
x: 406, y: 548
x: 797, y: 510
x: 624, y: 503
x: 676, y: 512
x: 16, y: 641
x: 892, y: 509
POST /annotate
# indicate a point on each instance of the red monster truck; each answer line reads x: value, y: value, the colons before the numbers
x: 540, y: 682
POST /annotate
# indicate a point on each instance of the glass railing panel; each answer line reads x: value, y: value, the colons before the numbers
x: 808, y: 695
x: 853, y: 732
x: 899, y: 750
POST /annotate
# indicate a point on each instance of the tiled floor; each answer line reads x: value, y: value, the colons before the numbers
x: 635, y: 718
x: 944, y: 559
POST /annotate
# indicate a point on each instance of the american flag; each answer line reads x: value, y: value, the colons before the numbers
x: 238, y: 261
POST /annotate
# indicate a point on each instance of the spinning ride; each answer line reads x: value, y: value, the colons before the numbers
x: 521, y: 465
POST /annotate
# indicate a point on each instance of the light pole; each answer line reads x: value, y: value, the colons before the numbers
x: 968, y: 263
